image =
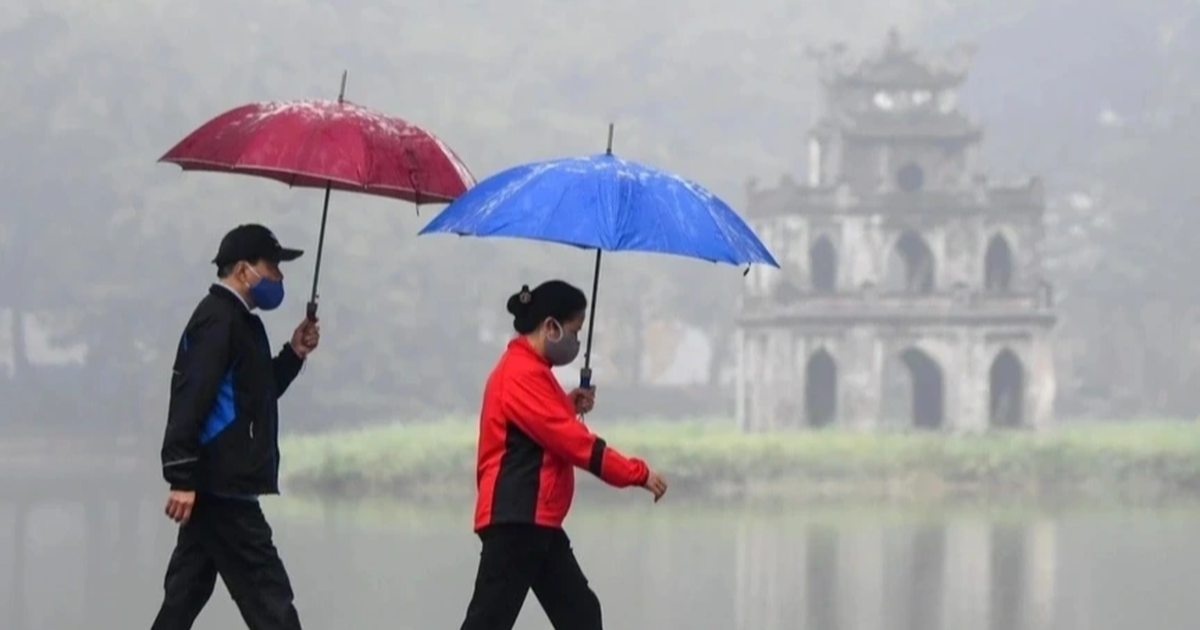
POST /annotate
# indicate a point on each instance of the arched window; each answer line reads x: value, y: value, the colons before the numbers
x: 911, y: 265
x: 998, y: 265
x: 822, y: 265
x: 820, y: 389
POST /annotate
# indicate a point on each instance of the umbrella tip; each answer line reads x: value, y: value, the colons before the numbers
x: 611, y: 126
x: 342, y: 90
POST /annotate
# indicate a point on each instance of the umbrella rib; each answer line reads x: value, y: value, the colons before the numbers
x: 719, y: 225
x: 562, y: 194
x: 658, y: 219
x: 350, y: 184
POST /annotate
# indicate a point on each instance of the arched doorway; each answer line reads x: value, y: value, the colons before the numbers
x: 1006, y: 390
x: 822, y: 265
x: 911, y: 265
x: 927, y: 389
x: 913, y: 391
x: 820, y: 389
x: 998, y: 265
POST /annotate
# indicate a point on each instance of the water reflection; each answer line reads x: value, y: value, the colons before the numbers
x: 97, y: 564
x: 921, y: 578
x: 822, y: 606
x: 965, y: 573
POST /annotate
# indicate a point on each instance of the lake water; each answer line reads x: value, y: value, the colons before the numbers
x: 659, y: 567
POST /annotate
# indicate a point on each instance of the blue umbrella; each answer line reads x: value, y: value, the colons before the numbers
x: 605, y: 203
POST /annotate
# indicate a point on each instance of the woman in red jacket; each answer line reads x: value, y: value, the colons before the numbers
x: 530, y: 442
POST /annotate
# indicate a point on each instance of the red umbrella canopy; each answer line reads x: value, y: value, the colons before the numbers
x: 319, y: 143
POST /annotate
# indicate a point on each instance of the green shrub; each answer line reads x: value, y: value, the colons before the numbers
x: 1126, y: 461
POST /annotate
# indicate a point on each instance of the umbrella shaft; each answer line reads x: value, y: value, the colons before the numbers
x: 587, y: 356
x: 320, y: 248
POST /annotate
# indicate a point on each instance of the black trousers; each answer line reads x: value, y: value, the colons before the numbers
x: 517, y: 558
x: 229, y: 537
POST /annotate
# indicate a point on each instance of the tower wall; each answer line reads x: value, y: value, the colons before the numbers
x: 901, y: 267
x: 775, y: 397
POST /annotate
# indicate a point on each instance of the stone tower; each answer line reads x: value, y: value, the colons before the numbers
x: 911, y: 292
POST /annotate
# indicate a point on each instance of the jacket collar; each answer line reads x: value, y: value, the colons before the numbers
x: 521, y: 346
x: 223, y: 292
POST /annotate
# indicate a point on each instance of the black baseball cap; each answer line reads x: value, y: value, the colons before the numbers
x: 251, y: 242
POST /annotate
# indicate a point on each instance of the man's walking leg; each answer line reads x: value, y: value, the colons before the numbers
x: 191, y: 576
x: 563, y: 590
x: 250, y: 566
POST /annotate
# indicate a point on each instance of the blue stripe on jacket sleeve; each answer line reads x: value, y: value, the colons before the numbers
x: 222, y: 413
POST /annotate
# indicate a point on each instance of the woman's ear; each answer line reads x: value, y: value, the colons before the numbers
x: 550, y: 329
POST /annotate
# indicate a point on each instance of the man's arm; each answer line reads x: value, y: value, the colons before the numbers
x: 203, y: 360
x: 536, y: 404
x: 286, y: 366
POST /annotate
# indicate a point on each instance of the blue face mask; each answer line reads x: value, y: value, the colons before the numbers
x: 267, y: 293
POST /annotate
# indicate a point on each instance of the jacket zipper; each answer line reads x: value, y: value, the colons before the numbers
x: 251, y: 429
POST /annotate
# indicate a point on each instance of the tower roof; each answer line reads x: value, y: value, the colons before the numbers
x: 895, y: 66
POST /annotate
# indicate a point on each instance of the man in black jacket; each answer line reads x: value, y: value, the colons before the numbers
x: 220, y: 451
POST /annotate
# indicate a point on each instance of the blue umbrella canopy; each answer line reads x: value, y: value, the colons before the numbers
x: 605, y: 203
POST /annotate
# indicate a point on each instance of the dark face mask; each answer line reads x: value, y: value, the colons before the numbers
x: 563, y: 348
x: 267, y: 293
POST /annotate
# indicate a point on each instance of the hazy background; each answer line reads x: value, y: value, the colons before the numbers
x: 103, y: 253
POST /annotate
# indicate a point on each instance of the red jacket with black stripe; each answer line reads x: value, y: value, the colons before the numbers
x: 530, y: 442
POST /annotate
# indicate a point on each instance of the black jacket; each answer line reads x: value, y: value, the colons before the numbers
x: 223, y: 419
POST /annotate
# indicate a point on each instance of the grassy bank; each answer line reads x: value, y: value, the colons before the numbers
x: 1121, y: 463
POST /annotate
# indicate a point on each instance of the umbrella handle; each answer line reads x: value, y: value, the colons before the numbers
x: 585, y: 378
x: 311, y: 311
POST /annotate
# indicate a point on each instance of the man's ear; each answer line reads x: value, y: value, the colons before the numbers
x: 243, y: 268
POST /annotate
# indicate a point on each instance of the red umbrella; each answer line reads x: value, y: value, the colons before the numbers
x: 335, y: 145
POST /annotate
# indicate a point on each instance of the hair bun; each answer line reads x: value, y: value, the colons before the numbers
x: 520, y: 301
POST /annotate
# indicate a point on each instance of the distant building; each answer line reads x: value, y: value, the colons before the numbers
x: 905, y: 273
x: 41, y: 348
